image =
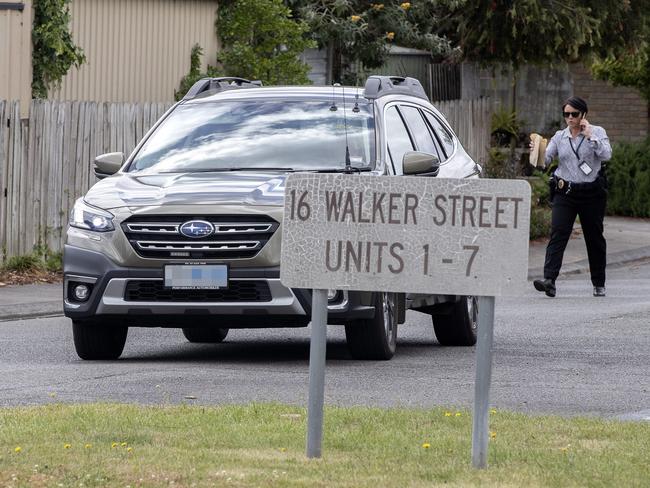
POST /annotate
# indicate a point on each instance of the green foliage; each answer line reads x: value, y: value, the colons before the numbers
x: 630, y: 69
x: 362, y: 32
x: 54, y: 262
x: 54, y: 51
x: 540, y: 211
x: 498, y: 164
x: 195, y: 73
x: 28, y: 262
x: 628, y: 173
x: 541, y: 31
x: 262, y: 42
x: 504, y: 126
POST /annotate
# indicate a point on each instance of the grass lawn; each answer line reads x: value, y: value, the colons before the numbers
x: 98, y: 445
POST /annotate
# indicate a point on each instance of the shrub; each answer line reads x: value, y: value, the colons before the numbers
x: 28, y: 262
x: 540, y: 211
x: 628, y: 173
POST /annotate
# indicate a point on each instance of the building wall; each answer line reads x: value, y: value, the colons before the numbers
x: 620, y: 110
x: 137, y: 50
x: 16, y: 52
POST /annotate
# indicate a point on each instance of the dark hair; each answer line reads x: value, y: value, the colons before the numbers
x: 576, y: 102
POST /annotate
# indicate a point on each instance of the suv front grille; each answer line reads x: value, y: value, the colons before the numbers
x: 234, y: 236
x: 237, y: 291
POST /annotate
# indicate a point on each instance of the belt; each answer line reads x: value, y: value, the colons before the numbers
x: 567, y: 187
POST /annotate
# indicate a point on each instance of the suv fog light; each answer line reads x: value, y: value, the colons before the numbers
x: 81, y: 292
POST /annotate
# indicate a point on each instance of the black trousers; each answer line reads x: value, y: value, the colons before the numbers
x: 590, y: 207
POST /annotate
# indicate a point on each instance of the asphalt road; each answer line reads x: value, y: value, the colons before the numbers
x: 574, y: 354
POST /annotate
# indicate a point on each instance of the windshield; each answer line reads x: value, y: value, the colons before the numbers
x: 246, y: 134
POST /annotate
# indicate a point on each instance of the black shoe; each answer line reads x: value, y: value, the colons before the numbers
x: 599, y: 291
x: 547, y: 286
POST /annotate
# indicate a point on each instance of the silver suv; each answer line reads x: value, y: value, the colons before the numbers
x: 205, y: 186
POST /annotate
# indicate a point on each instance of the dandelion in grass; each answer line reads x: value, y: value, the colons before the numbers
x: 493, y: 435
x: 129, y: 449
x: 113, y: 445
x: 66, y: 446
x: 458, y: 414
x: 18, y: 449
x: 88, y: 446
x: 494, y: 410
x: 426, y: 445
x: 405, y: 5
x: 283, y: 449
x: 355, y: 18
x: 447, y: 414
x: 390, y: 36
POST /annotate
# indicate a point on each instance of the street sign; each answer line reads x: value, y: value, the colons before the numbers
x: 407, y: 234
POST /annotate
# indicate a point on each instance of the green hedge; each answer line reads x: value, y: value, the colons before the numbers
x: 628, y: 173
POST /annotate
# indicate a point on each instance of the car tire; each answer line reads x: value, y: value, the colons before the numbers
x: 375, y: 338
x: 95, y: 340
x: 211, y: 335
x: 458, y: 327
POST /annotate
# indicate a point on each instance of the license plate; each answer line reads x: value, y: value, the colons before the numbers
x: 196, y: 277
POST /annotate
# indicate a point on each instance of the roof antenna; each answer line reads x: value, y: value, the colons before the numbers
x: 348, y: 164
x: 356, y: 108
x: 333, y: 108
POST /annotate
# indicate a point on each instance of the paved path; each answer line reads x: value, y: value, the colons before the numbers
x: 628, y: 240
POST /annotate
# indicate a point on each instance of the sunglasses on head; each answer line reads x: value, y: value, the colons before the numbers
x: 571, y: 114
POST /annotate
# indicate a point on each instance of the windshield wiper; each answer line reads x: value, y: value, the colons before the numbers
x: 220, y: 170
x: 349, y: 169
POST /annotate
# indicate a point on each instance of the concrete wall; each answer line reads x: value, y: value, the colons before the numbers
x: 541, y: 91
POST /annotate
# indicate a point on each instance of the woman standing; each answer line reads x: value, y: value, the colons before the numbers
x: 578, y: 188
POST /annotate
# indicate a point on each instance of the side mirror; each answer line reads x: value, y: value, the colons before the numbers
x: 108, y: 164
x: 419, y: 163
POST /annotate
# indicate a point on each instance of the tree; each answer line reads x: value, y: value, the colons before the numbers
x: 631, y: 65
x: 54, y: 51
x: 262, y: 42
x: 541, y: 31
x: 359, y: 31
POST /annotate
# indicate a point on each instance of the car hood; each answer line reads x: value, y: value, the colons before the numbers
x: 124, y: 190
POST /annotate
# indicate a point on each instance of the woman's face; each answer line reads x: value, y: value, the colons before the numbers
x: 572, y: 116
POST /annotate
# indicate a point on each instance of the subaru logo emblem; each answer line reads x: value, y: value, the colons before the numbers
x: 197, y: 228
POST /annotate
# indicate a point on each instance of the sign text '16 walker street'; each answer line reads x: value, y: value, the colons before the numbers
x: 423, y: 235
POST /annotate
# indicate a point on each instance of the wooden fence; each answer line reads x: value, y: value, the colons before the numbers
x: 46, y: 160
x: 471, y: 120
x: 46, y: 163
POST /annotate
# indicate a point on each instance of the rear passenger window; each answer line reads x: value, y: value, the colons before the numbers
x: 442, y: 133
x: 397, y: 138
x: 423, y: 137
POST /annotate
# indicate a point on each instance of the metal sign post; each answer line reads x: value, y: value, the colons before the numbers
x: 404, y: 235
x: 480, y: 429
x: 317, y: 352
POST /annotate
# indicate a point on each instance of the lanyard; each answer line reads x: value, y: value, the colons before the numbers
x: 575, y: 151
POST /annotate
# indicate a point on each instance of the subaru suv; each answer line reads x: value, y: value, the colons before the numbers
x: 185, y: 232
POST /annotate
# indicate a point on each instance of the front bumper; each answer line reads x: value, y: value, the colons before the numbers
x: 108, y: 297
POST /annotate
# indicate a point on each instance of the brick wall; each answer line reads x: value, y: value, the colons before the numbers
x: 621, y: 111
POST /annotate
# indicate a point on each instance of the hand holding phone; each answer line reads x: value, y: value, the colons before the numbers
x: 585, y: 128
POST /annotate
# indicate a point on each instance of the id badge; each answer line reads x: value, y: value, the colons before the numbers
x: 586, y: 169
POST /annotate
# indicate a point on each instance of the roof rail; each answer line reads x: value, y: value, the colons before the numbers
x: 219, y: 84
x: 380, y: 86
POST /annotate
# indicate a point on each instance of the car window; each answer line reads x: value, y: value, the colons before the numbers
x: 442, y: 133
x: 420, y: 131
x: 397, y: 138
x: 250, y: 134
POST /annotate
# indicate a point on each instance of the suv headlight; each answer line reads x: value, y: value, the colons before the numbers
x: 84, y: 216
